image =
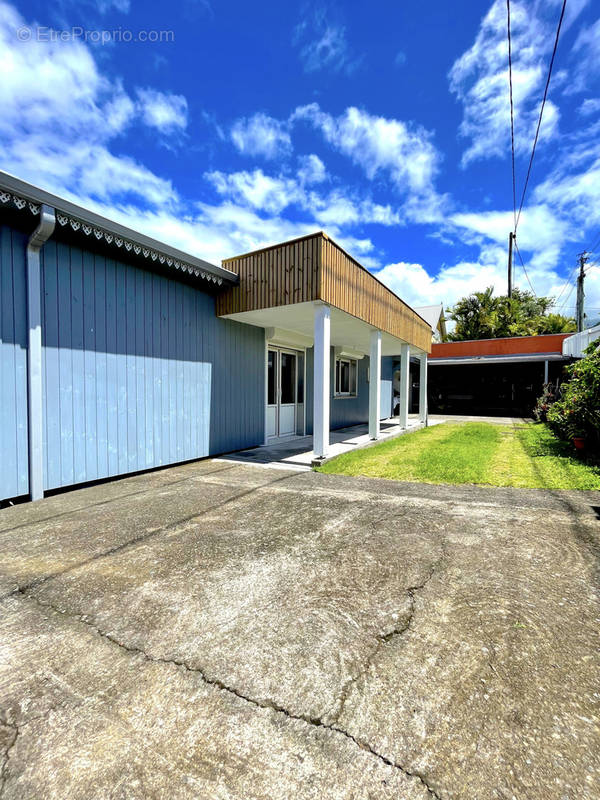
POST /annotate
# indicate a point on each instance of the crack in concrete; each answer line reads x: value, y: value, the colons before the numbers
x: 397, y: 630
x: 266, y: 703
x: 6, y: 755
x: 139, y: 539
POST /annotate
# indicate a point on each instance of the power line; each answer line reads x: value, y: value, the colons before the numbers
x: 523, y: 265
x: 537, y: 132
x: 594, y: 246
x: 566, y: 300
x: 512, y: 117
x: 566, y: 283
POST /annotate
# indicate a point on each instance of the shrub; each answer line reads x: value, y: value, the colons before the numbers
x: 577, y: 412
x: 544, y: 403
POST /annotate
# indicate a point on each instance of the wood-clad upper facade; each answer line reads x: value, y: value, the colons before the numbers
x: 315, y: 268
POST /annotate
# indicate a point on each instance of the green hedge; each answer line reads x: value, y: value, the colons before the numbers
x: 577, y: 412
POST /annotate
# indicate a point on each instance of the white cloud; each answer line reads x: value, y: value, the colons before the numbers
x: 311, y: 169
x: 381, y: 146
x: 260, y: 191
x: 591, y: 105
x: 261, y: 135
x: 575, y: 194
x: 165, y: 112
x: 104, y: 6
x: 417, y: 284
x: 119, y: 111
x: 585, y: 58
x: 323, y: 45
x: 479, y: 78
x: 414, y: 284
x: 340, y: 208
x: 272, y: 194
x: 60, y: 115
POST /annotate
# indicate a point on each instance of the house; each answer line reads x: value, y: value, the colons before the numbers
x: 495, y: 376
x: 120, y: 353
x: 434, y: 315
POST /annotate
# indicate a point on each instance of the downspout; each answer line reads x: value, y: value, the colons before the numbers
x: 35, y: 424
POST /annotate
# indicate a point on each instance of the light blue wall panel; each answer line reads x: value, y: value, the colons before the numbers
x: 138, y: 370
x: 350, y: 410
x: 387, y: 375
x: 14, y: 479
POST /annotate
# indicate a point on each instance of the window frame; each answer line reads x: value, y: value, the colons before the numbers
x: 352, y: 366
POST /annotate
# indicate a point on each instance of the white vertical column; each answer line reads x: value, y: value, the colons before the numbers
x: 423, y: 388
x: 321, y: 381
x: 266, y: 436
x: 546, y: 371
x: 374, y: 384
x: 404, y: 384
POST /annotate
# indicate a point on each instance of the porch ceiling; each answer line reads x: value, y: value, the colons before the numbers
x: 298, y: 319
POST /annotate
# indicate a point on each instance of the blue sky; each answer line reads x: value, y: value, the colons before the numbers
x: 384, y: 124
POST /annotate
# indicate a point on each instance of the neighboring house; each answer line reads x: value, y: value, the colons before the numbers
x: 575, y: 344
x: 119, y: 353
x: 434, y: 315
x: 495, y: 376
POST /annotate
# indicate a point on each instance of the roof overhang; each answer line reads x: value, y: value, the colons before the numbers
x: 516, y: 359
x: 27, y: 198
x: 314, y: 268
x: 293, y: 326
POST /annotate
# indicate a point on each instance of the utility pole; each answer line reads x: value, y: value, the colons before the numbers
x: 583, y: 259
x: 511, y: 237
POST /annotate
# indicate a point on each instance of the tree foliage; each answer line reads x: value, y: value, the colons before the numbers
x: 577, y: 412
x: 482, y: 315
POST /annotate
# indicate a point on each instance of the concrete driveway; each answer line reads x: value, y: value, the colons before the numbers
x: 230, y: 631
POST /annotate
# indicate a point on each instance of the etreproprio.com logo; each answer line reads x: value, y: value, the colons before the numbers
x: 80, y: 34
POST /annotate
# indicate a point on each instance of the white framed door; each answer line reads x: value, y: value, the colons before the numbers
x: 282, y: 392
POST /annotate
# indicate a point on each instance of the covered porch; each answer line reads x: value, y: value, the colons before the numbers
x: 297, y: 452
x: 334, y: 336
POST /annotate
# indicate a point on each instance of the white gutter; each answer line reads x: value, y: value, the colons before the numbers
x: 35, y: 423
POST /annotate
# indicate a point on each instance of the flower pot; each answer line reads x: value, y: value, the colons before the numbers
x: 579, y: 442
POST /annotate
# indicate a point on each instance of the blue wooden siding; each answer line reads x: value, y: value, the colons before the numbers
x: 14, y: 477
x: 387, y: 380
x: 349, y: 410
x: 138, y: 370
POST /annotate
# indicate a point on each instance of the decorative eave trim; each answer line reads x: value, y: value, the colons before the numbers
x: 20, y: 202
x: 66, y: 220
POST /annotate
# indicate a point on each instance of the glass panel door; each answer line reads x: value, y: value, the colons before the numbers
x: 287, y: 393
x: 285, y: 390
x: 272, y: 393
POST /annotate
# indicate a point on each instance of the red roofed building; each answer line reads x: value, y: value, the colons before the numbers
x: 494, y: 376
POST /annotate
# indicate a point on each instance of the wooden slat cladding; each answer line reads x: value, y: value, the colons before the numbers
x: 276, y: 276
x: 315, y: 268
x: 350, y: 287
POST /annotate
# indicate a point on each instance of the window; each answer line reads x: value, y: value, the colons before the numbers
x: 272, y: 378
x: 345, y: 377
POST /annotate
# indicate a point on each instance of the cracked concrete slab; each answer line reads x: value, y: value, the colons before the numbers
x: 101, y: 721
x: 248, y: 633
x: 67, y: 530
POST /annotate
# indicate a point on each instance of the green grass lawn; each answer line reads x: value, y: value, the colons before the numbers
x: 528, y: 456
